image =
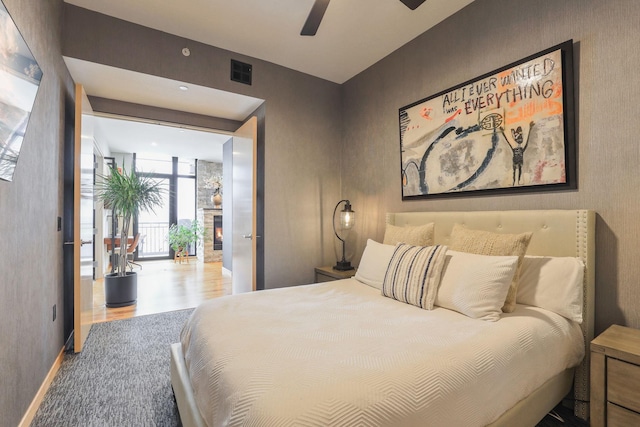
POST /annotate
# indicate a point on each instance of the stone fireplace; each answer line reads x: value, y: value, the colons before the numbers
x: 210, y: 248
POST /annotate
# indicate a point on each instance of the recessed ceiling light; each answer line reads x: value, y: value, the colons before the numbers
x: 183, y: 87
x: 154, y: 144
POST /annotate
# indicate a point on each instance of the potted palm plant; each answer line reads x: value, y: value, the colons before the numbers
x: 125, y: 194
x: 181, y: 237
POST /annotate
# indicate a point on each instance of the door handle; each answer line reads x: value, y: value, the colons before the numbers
x: 249, y: 236
x: 82, y: 242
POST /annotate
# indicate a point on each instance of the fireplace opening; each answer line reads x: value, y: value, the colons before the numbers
x: 217, y: 233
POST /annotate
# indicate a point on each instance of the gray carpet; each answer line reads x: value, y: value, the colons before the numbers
x: 121, y: 378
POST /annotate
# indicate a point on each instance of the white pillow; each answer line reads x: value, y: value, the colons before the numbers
x: 476, y: 285
x: 374, y: 262
x: 553, y: 283
x: 489, y: 243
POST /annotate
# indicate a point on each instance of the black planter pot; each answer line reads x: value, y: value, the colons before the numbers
x: 120, y: 291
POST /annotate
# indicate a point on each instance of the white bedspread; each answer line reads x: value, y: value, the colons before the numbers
x: 340, y: 354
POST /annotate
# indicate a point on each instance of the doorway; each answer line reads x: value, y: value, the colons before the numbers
x: 178, y: 175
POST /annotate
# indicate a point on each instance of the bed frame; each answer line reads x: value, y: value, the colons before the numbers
x: 555, y: 233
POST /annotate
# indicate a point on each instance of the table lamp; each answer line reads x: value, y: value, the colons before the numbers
x: 347, y: 219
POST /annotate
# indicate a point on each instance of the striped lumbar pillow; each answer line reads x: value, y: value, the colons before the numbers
x: 414, y: 273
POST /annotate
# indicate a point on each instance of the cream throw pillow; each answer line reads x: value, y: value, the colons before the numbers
x: 420, y: 235
x: 498, y: 244
x: 414, y: 273
x: 476, y: 285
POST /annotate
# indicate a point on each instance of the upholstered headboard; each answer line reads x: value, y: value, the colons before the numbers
x: 555, y: 233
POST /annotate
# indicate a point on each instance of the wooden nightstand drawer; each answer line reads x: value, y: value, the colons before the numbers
x: 622, y: 384
x: 615, y: 375
x: 323, y: 278
x: 620, y: 417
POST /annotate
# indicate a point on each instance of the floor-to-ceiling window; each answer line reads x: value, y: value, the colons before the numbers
x: 178, y: 177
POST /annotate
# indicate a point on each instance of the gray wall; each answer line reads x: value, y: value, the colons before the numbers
x: 302, y: 130
x: 482, y: 37
x: 29, y: 207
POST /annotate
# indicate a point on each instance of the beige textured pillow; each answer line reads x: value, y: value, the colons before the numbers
x: 420, y: 235
x: 487, y: 243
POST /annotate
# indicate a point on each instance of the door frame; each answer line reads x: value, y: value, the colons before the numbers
x: 151, y: 116
x: 78, y: 297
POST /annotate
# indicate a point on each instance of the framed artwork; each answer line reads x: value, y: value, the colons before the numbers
x: 20, y: 78
x: 510, y: 130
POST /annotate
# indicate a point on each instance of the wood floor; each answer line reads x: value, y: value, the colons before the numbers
x: 166, y: 286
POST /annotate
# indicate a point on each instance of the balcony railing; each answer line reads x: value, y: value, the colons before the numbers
x: 153, y: 239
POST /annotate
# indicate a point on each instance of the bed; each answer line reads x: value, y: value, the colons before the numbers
x: 340, y: 353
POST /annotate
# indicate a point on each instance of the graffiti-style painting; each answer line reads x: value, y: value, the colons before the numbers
x: 510, y: 130
x: 20, y: 78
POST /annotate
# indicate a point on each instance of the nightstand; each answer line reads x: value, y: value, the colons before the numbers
x: 615, y: 376
x: 327, y: 274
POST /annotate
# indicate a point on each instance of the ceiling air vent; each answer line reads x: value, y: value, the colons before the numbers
x: 241, y: 72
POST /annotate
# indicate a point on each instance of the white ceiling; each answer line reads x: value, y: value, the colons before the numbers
x: 152, y: 140
x: 353, y: 35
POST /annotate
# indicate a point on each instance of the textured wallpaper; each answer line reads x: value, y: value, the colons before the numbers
x: 486, y: 35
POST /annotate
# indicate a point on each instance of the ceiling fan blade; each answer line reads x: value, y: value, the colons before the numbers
x: 315, y: 17
x: 412, y: 4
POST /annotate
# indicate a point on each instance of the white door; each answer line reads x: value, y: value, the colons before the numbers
x: 244, y: 207
x: 82, y: 220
